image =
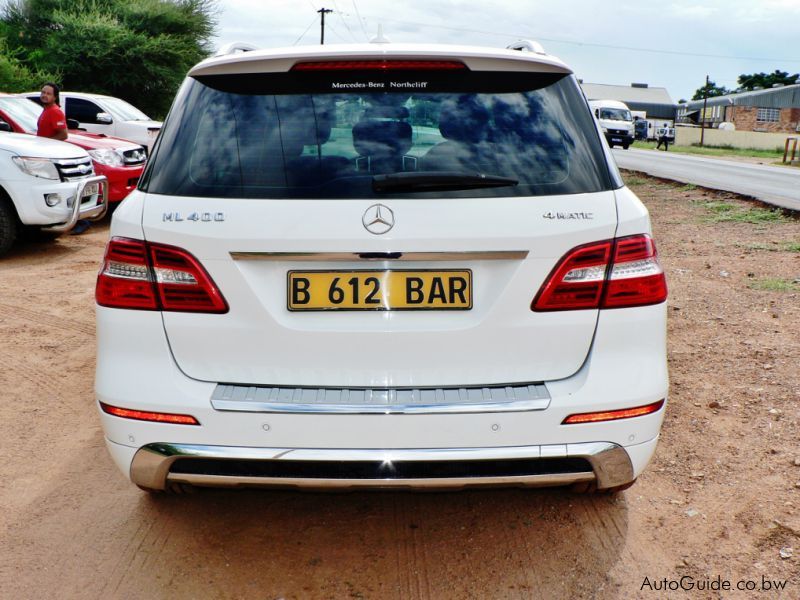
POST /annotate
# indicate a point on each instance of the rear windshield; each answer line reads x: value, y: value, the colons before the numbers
x: 334, y: 135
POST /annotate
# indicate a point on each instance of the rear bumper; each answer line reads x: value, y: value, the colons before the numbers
x: 243, y: 441
x: 155, y: 465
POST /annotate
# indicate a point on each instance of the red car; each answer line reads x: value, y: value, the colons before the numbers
x: 121, y: 161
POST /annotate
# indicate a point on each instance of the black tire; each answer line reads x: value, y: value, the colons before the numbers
x: 625, y: 146
x: 590, y: 487
x: 9, y: 224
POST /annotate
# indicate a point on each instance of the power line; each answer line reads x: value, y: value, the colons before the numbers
x: 330, y: 26
x: 338, y: 12
x: 590, y: 44
x: 360, y: 20
x: 305, y: 32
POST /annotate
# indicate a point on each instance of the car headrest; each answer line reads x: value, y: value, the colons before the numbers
x: 305, y: 125
x: 465, y: 120
x: 381, y: 139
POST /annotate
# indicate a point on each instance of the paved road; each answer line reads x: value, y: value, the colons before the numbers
x: 775, y: 185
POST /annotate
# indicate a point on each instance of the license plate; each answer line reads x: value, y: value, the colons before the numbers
x: 616, y: 140
x: 379, y: 290
x: 91, y: 189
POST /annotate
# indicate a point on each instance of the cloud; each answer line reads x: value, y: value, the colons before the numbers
x: 663, y: 43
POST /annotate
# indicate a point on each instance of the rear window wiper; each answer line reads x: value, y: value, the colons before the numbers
x: 434, y: 181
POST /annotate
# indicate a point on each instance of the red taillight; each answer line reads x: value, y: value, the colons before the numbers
x: 381, y: 65
x: 145, y: 276
x: 143, y: 415
x: 613, y: 415
x: 636, y: 278
x: 577, y: 281
x: 608, y: 274
x: 124, y: 280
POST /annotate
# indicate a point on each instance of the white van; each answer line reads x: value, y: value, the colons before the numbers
x: 616, y: 121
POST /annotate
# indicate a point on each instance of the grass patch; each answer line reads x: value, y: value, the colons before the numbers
x: 724, y: 150
x: 725, y: 212
x: 771, y: 247
x: 792, y: 246
x: 689, y: 187
x: 633, y: 180
x: 772, y: 284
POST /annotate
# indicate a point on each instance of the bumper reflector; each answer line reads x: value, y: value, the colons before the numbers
x: 141, y: 415
x: 613, y: 415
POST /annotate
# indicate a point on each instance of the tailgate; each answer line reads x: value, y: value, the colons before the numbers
x: 507, y: 246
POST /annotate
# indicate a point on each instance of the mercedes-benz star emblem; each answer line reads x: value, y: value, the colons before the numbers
x: 378, y: 219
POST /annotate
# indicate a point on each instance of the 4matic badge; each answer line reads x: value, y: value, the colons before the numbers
x: 205, y: 217
x: 567, y: 216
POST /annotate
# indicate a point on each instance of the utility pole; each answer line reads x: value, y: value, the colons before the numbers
x: 703, y: 114
x: 322, y: 11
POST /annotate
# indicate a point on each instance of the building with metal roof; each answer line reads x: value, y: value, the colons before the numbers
x: 655, y: 101
x: 776, y: 109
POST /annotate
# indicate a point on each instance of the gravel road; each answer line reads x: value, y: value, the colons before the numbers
x: 720, y: 502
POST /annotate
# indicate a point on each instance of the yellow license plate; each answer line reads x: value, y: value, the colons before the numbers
x: 379, y: 290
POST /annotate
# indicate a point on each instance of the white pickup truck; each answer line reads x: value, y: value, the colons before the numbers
x: 39, y: 182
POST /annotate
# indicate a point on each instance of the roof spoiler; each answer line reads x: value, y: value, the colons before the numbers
x: 527, y: 46
x: 235, y: 47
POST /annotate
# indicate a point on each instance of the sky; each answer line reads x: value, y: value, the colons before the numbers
x: 672, y: 44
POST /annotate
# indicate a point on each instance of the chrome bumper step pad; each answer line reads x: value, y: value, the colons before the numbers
x: 476, y: 399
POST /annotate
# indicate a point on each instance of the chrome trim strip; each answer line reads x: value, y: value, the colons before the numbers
x: 333, y: 484
x: 404, y: 256
x: 477, y: 399
x: 610, y: 462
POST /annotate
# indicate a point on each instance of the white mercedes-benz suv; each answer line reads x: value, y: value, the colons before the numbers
x: 381, y: 266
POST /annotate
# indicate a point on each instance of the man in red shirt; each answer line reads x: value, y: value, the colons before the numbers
x: 52, y: 122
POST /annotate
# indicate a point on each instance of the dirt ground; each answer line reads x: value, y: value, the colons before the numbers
x: 719, y: 504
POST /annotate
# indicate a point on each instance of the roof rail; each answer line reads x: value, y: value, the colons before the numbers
x: 235, y: 47
x: 527, y: 46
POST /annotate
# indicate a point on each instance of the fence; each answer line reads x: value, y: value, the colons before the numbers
x: 686, y: 136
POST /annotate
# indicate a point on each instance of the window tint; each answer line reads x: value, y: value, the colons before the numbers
x: 123, y: 111
x: 25, y: 113
x: 82, y: 110
x: 236, y: 137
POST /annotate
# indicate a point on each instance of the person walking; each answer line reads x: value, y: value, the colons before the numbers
x: 664, y: 138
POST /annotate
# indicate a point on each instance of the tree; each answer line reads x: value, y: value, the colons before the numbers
x: 710, y: 91
x: 766, y: 80
x: 15, y: 76
x: 138, y: 50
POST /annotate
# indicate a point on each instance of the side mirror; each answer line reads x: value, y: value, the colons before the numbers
x: 73, y: 124
x: 104, y: 118
x: 597, y: 112
x: 5, y: 127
